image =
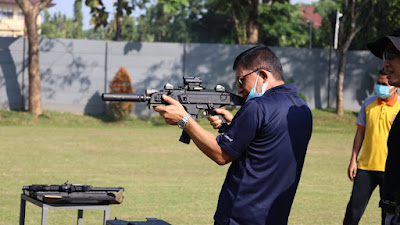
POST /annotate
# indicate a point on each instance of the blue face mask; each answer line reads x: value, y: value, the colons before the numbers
x: 382, y: 91
x: 253, y: 93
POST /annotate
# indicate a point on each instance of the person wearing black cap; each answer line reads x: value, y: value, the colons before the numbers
x: 387, y: 48
x: 367, y: 171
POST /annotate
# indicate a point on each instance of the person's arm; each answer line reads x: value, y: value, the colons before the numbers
x: 358, y: 140
x: 204, y: 140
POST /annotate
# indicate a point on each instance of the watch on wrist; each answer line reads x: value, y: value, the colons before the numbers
x: 182, y: 122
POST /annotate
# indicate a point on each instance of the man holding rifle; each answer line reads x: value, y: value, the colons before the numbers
x: 266, y: 142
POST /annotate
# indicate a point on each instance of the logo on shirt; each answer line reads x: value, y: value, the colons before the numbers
x: 227, y: 137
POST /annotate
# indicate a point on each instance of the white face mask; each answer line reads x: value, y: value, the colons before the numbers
x: 253, y: 92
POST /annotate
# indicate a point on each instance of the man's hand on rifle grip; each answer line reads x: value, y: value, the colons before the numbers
x: 216, y: 122
x: 171, y: 113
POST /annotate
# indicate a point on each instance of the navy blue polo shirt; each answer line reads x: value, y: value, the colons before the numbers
x: 268, y: 138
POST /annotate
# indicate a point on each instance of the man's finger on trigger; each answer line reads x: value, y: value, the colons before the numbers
x: 159, y: 108
x: 216, y: 122
x: 216, y: 126
x: 169, y: 99
x: 213, y: 118
x: 221, y: 110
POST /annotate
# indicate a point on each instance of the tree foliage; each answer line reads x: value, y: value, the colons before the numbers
x: 166, y: 21
x: 288, y: 30
x: 242, y: 17
x: 98, y: 12
x: 100, y: 15
x: 128, y: 31
x: 214, y: 21
x: 240, y: 14
x: 78, y: 20
x: 386, y: 19
x: 121, y: 84
x: 57, y: 26
x: 122, y: 7
x: 276, y: 22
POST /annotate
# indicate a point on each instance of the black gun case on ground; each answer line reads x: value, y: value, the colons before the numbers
x: 149, y: 221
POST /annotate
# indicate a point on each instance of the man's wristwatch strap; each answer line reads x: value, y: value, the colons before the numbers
x: 182, y: 122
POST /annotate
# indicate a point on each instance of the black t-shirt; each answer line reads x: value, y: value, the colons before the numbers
x: 391, y: 185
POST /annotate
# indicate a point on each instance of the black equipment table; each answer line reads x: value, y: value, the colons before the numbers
x: 70, y: 196
x: 45, y: 208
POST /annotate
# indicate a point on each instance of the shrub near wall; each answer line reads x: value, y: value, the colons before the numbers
x: 121, y: 84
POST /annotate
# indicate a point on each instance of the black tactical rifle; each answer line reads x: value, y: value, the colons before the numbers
x: 193, y: 97
x: 69, y: 188
x: 74, y: 194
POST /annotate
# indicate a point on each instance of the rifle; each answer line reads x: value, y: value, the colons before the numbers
x: 74, y: 194
x: 193, y: 97
x: 68, y: 188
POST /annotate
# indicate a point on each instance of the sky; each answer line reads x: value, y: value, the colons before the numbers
x: 67, y: 7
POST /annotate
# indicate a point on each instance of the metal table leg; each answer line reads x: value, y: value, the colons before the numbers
x: 106, y: 215
x: 45, y: 211
x: 22, y: 212
x: 80, y: 217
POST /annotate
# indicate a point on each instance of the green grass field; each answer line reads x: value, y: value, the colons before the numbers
x: 162, y: 177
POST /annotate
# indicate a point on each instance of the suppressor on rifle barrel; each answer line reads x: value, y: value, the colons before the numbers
x: 124, y: 97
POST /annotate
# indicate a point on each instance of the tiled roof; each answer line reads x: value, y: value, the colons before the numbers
x: 308, y: 13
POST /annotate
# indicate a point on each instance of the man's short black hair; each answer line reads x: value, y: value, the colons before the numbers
x: 259, y: 57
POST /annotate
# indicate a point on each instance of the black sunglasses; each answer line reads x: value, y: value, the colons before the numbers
x: 239, y: 81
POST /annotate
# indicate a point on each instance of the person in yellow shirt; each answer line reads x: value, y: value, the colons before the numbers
x: 373, y: 125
